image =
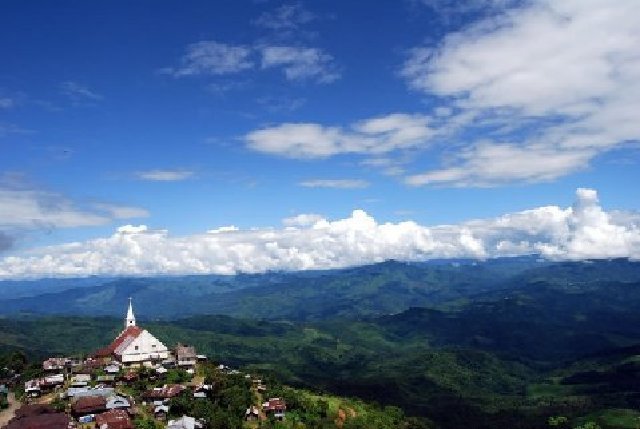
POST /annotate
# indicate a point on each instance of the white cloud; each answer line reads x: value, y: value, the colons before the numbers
x: 492, y: 164
x: 584, y: 230
x: 563, y: 78
x: 335, y: 183
x: 79, y: 93
x: 301, y: 63
x: 38, y: 209
x: 373, y: 136
x: 304, y: 219
x: 287, y: 17
x: 209, y: 57
x: 164, y: 175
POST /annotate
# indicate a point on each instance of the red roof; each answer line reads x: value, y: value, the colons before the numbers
x: 274, y: 404
x: 89, y: 404
x: 129, y: 332
x: 114, y: 419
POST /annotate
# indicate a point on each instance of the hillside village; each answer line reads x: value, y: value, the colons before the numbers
x: 137, y: 382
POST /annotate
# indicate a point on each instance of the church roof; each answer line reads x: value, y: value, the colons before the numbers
x: 125, y: 338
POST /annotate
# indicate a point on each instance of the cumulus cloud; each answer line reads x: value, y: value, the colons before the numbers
x: 561, y: 77
x: 335, y: 183
x: 164, y: 175
x: 583, y: 230
x: 377, y: 135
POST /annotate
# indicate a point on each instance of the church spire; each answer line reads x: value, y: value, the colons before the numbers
x: 131, y: 319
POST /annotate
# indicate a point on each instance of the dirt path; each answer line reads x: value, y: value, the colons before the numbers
x: 6, y: 415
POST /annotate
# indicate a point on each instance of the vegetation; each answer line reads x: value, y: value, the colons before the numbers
x: 505, y: 344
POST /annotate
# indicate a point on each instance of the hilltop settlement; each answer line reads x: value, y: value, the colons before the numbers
x: 139, y: 382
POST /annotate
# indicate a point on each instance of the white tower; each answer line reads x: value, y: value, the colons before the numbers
x: 131, y: 319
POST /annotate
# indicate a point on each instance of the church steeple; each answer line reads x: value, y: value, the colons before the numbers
x: 131, y: 319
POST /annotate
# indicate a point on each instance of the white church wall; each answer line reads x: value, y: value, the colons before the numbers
x: 144, y: 347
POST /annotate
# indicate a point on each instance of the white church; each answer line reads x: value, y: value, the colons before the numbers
x: 134, y: 345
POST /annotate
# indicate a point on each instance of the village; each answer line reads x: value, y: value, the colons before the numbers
x: 138, y: 382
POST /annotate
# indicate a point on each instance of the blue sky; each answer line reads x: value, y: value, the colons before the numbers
x: 185, y: 116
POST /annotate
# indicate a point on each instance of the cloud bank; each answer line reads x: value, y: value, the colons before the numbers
x: 305, y: 242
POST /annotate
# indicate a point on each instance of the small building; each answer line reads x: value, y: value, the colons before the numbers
x: 106, y: 380
x: 80, y: 380
x: 89, y: 405
x: 112, y: 369
x: 160, y: 412
x: 114, y: 419
x: 184, y: 422
x: 32, y: 388
x: 117, y: 402
x: 83, y: 392
x: 252, y: 414
x: 160, y: 395
x: 56, y: 363
x: 275, y: 407
x: 186, y: 356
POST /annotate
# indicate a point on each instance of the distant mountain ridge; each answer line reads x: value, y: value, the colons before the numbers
x: 385, y: 288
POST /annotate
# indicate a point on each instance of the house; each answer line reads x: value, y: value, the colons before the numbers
x: 33, y: 388
x: 117, y: 402
x: 184, y: 422
x: 202, y: 390
x: 275, y: 407
x: 56, y: 363
x: 88, y: 405
x: 134, y: 345
x: 83, y: 392
x: 114, y: 419
x: 252, y: 414
x: 112, y: 369
x: 80, y: 380
x: 106, y: 380
x: 38, y: 417
x: 160, y: 412
x: 159, y: 395
x: 185, y: 355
